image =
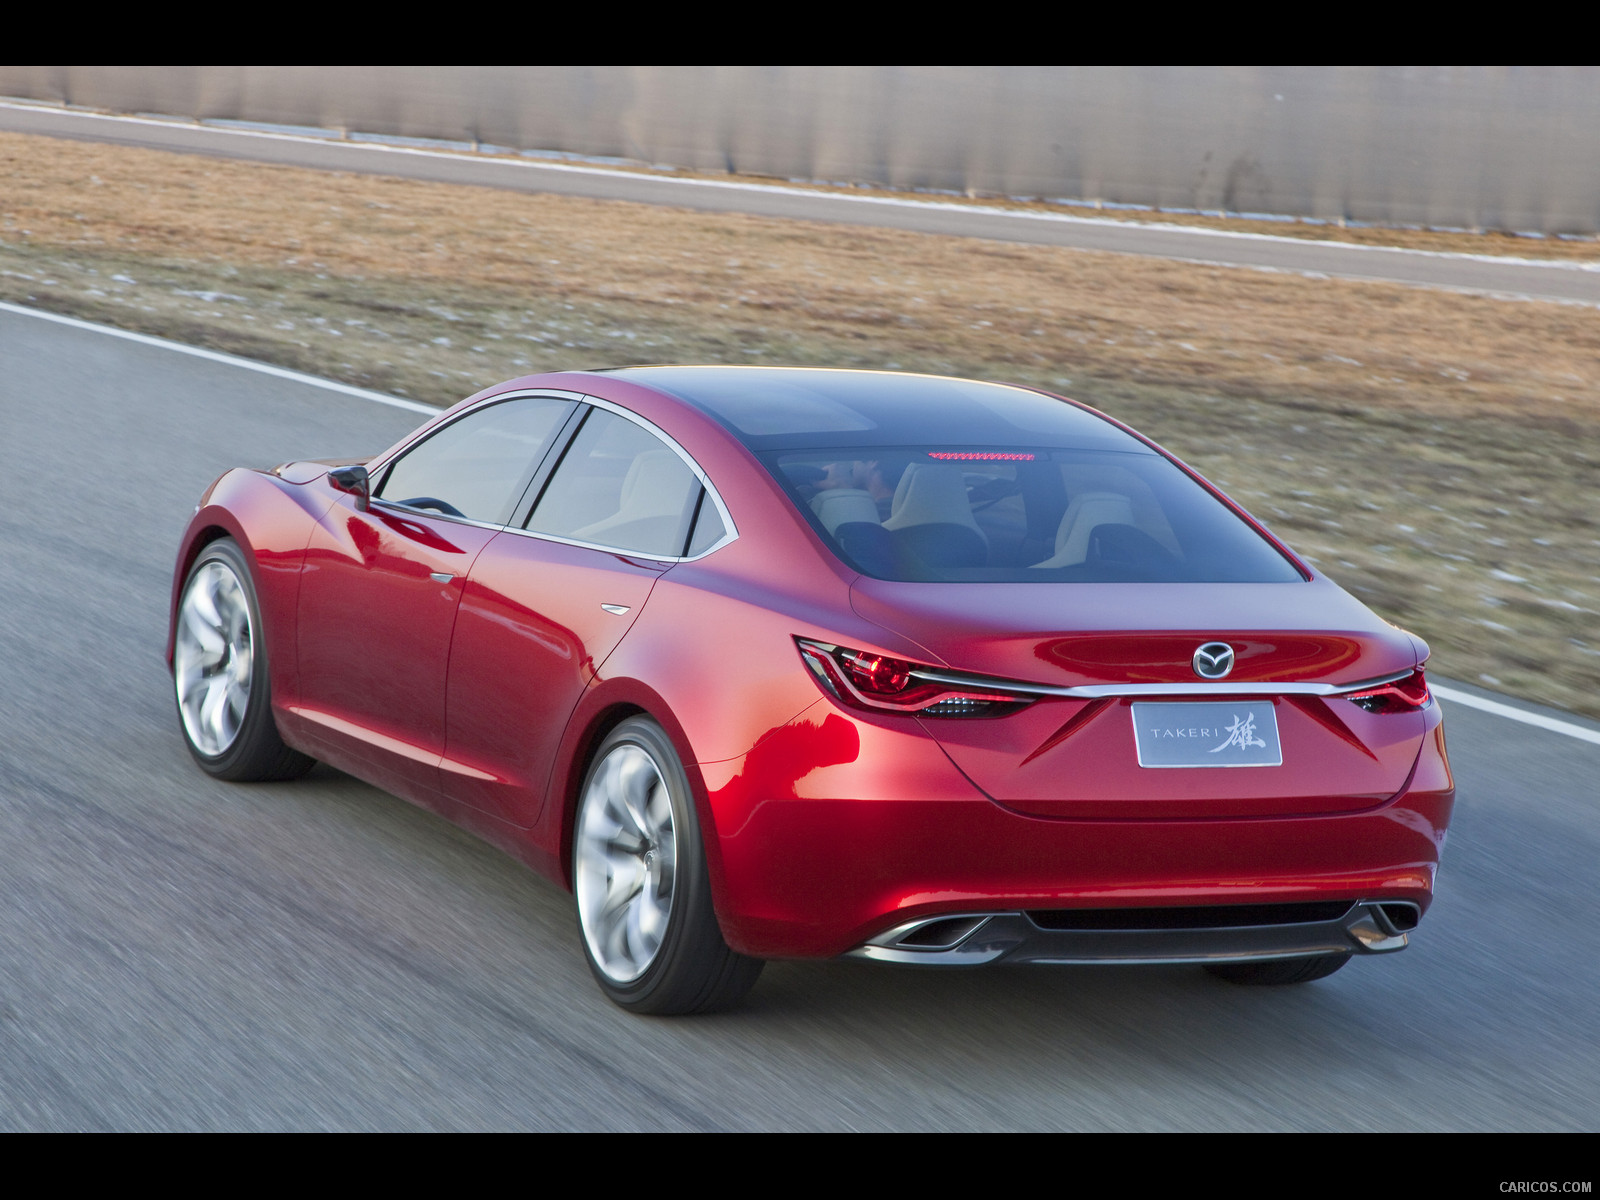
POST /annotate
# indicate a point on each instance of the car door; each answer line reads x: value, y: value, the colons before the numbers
x: 381, y: 586
x: 552, y: 596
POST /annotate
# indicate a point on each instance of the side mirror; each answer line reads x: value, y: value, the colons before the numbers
x: 355, y: 481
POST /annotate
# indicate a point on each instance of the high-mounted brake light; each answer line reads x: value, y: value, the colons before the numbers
x: 1400, y: 695
x: 978, y: 456
x: 862, y: 679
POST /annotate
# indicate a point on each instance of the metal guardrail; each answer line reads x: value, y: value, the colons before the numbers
x: 1511, y: 148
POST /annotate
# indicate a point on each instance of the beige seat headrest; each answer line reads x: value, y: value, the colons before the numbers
x: 1087, y: 511
x: 658, y: 484
x: 842, y: 506
x: 933, y: 494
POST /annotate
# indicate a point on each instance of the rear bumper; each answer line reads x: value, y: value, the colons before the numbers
x: 818, y: 854
x: 1161, y: 935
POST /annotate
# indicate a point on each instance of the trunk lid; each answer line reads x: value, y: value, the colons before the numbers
x: 1078, y: 758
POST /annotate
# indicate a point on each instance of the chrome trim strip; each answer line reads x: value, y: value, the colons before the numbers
x: 732, y: 531
x: 1372, y: 683
x: 1097, y: 691
x: 433, y: 514
x: 430, y: 427
x: 665, y: 558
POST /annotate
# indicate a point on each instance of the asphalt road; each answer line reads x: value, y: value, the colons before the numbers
x: 1567, y: 282
x: 177, y: 953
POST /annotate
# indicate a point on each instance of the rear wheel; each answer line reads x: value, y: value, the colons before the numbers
x: 640, y: 881
x: 220, y: 676
x: 1280, y: 971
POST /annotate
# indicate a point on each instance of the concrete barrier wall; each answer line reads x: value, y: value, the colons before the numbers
x: 1514, y: 148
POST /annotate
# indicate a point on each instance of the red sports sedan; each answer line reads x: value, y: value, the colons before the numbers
x: 767, y: 662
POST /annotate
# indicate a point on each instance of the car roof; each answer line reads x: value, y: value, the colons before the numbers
x: 784, y: 408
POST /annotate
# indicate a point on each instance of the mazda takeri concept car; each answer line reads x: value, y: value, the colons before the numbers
x: 769, y: 662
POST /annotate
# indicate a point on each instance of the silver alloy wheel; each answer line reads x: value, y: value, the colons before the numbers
x: 214, y: 659
x: 626, y: 862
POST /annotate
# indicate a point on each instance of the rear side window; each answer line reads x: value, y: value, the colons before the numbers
x: 477, y: 466
x: 619, y: 485
x: 708, y: 528
x: 1023, y: 516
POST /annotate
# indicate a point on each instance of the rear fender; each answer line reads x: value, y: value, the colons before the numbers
x: 605, y: 704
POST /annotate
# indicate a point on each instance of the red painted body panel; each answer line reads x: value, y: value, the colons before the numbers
x: 1081, y: 633
x: 715, y: 701
x: 529, y: 637
x: 836, y: 828
x: 1026, y: 763
x: 1060, y: 759
x: 375, y: 629
x: 826, y: 824
x: 271, y: 519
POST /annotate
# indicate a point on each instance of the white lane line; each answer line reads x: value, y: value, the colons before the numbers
x: 232, y: 360
x: 782, y: 190
x: 1357, y: 277
x: 1515, y: 714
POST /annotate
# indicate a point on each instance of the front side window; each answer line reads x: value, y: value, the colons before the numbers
x: 619, y: 485
x: 1020, y: 515
x: 476, y: 466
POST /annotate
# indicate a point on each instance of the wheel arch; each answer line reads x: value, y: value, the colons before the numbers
x: 581, y: 758
x: 606, y: 705
x: 255, y: 751
x: 209, y: 525
x: 271, y: 521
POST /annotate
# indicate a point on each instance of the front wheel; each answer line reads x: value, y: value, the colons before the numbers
x: 219, y: 673
x: 1279, y: 971
x: 640, y: 881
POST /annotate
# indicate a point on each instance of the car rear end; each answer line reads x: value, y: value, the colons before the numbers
x: 1082, y: 708
x: 1139, y: 812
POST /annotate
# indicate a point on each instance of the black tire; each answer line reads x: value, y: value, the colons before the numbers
x: 678, y: 962
x: 240, y: 746
x: 1279, y: 971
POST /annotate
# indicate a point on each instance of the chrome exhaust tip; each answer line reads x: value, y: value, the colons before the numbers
x: 948, y: 939
x: 1382, y: 927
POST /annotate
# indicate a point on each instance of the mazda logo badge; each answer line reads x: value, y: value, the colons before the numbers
x: 1213, y: 660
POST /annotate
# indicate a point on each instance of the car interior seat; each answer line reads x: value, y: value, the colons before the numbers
x: 1084, y: 514
x: 931, y: 517
x: 656, y: 494
x: 843, y: 506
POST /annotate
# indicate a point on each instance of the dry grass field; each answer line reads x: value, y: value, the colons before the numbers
x: 1438, y: 454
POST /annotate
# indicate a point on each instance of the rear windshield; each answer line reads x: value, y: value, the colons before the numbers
x: 1023, y: 514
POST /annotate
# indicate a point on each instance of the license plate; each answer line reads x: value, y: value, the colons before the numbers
x: 1214, y: 733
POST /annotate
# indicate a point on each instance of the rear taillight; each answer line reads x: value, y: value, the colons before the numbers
x: 1399, y: 695
x: 863, y: 679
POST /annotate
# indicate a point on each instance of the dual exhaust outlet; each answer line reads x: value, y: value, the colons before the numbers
x: 1222, y: 933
